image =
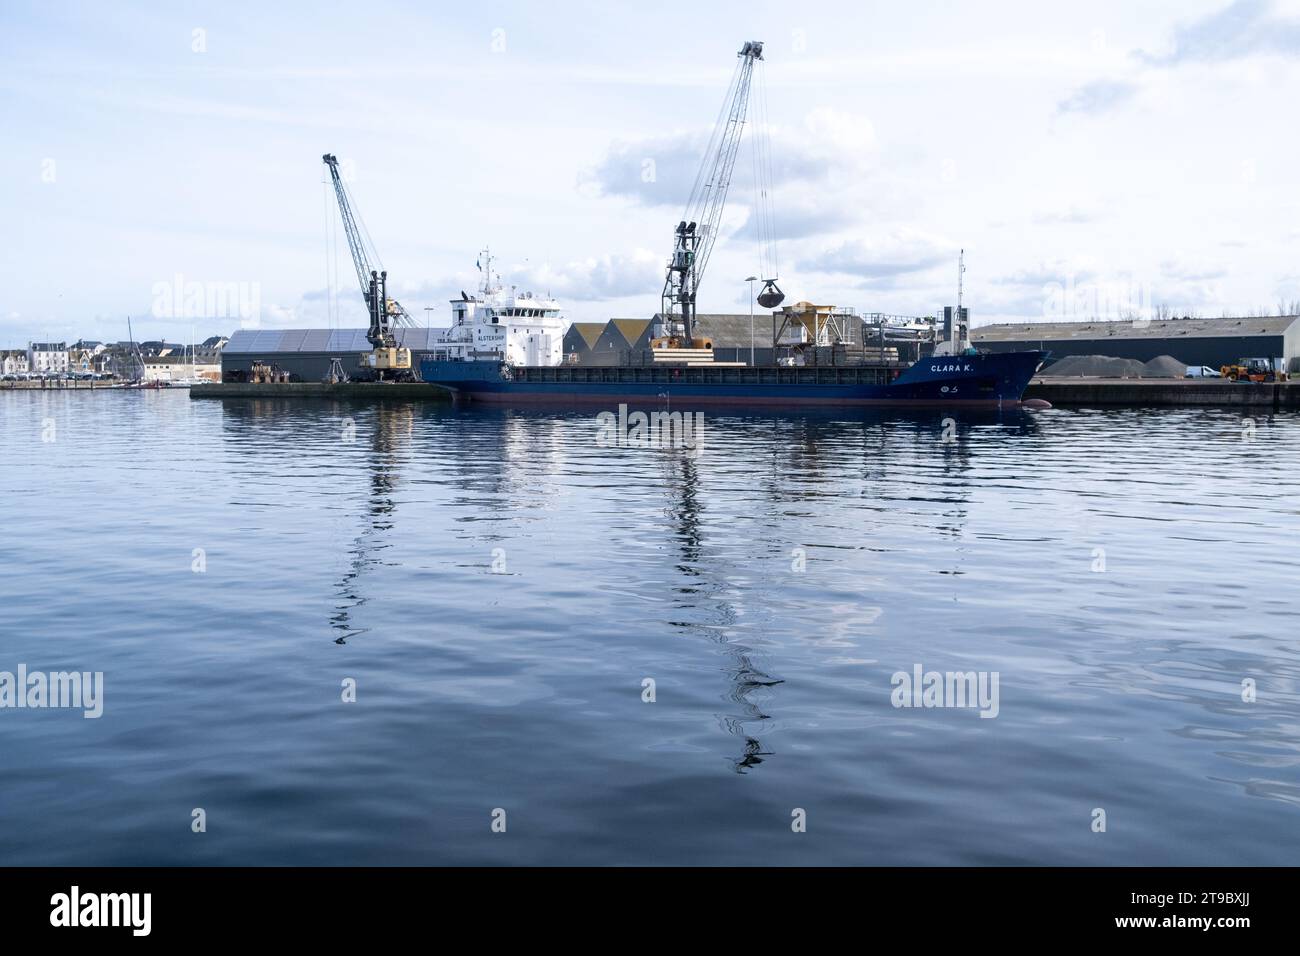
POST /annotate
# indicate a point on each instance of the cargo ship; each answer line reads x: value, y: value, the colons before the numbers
x: 969, y: 379
x: 816, y: 369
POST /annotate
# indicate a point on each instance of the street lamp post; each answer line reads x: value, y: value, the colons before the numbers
x: 751, y: 280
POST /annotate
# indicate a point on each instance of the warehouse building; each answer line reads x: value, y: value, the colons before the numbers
x: 625, y: 341
x: 619, y: 340
x: 580, y: 340
x: 731, y: 336
x: 738, y: 336
x: 1212, y: 342
x: 306, y: 354
x: 735, y: 337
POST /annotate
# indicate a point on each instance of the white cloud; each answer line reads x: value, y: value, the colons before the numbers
x: 607, y: 276
x: 1046, y: 272
x: 659, y: 171
x: 1192, y: 271
x: 1243, y: 28
x: 884, y: 256
x: 1098, y: 97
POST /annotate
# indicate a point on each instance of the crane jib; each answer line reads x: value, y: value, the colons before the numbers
x: 378, y: 304
x: 387, y: 357
x: 699, y: 227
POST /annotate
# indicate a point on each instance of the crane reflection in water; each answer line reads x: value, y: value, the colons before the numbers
x: 698, y: 588
x: 390, y: 429
x: 801, y: 450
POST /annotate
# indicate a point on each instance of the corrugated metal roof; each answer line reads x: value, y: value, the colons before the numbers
x: 261, y: 342
x: 731, y: 330
x: 1159, y: 329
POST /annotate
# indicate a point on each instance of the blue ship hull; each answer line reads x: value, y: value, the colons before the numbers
x: 988, y: 379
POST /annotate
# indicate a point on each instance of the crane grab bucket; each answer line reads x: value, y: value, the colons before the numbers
x: 771, y: 296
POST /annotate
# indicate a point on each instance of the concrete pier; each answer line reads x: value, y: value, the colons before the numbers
x: 354, y: 390
x: 1138, y: 392
x: 59, y: 385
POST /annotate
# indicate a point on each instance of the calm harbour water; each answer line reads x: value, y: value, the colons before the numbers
x: 499, y: 585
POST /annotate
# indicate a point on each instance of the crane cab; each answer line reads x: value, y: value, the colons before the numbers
x: 387, y: 359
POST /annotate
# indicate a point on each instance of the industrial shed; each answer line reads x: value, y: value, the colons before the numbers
x: 623, y: 341
x: 619, y: 340
x: 580, y: 339
x: 1212, y: 342
x: 306, y: 353
x: 730, y: 334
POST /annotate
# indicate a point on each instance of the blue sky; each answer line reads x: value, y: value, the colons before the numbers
x: 1094, y: 145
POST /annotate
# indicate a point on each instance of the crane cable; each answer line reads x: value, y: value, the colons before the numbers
x: 708, y: 169
x: 764, y: 180
x: 402, y: 319
x: 331, y: 256
x: 732, y: 130
x: 371, y: 250
x: 709, y: 191
x: 709, y: 194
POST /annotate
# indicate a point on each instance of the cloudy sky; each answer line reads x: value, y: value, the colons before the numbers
x: 1128, y: 154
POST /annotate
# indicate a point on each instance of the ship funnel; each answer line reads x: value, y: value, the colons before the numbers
x: 771, y: 296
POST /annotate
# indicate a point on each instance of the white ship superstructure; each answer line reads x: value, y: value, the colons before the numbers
x: 496, y: 325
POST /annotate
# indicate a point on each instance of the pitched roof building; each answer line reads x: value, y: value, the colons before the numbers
x: 579, y: 340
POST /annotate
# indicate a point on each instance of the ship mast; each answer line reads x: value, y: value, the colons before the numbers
x: 485, y: 266
x: 957, y: 324
x: 961, y: 273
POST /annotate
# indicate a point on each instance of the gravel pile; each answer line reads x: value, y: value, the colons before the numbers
x: 1165, y: 366
x: 1097, y: 366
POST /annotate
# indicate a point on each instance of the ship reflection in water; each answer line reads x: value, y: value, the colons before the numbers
x: 501, y: 587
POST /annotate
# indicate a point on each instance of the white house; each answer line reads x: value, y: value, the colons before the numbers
x: 180, y: 368
x: 48, y: 357
x: 13, y: 362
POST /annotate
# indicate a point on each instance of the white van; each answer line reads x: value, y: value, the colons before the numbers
x: 1202, y: 371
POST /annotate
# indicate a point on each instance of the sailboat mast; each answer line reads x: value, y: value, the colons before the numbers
x: 135, y: 353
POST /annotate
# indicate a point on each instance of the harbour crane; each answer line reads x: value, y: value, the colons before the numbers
x: 698, y: 229
x: 386, y: 358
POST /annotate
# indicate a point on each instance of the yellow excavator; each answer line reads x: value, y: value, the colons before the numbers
x: 1252, y: 370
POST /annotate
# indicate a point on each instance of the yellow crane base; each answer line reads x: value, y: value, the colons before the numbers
x: 385, y: 359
